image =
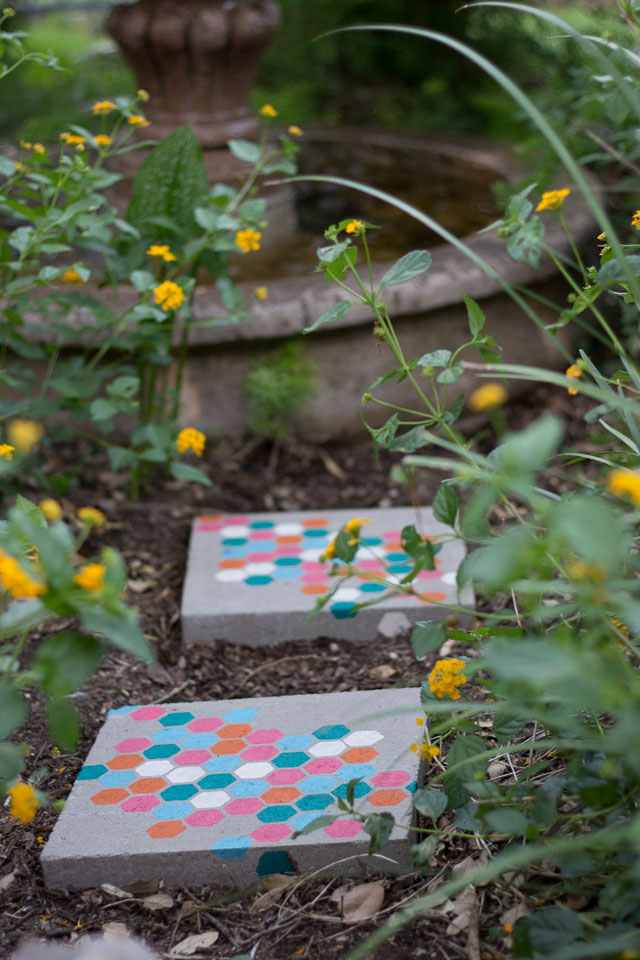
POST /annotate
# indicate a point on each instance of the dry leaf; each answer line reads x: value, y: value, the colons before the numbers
x: 512, y: 915
x: 471, y: 863
x: 331, y: 466
x: 115, y: 891
x: 361, y: 902
x: 158, y: 901
x: 465, y: 908
x: 383, y: 672
x: 6, y: 881
x: 275, y: 880
x: 116, y: 931
x: 194, y: 944
x: 496, y: 770
x: 140, y: 586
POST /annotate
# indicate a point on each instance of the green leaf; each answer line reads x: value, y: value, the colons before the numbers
x: 526, y: 243
x: 506, y: 727
x: 30, y: 510
x: 475, y: 315
x: 438, y: 358
x: 11, y: 764
x: 207, y: 218
x: 406, y: 268
x: 335, y: 313
x: 321, y: 821
x: 544, y: 932
x: 432, y: 803
x: 244, y: 150
x: 422, y: 552
x: 506, y: 820
x: 22, y: 615
x: 379, y: 827
x: 121, y: 629
x: 65, y: 661
x: 63, y: 723
x: 337, y: 270
x: 102, y: 409
x: 331, y: 253
x: 184, y: 471
x: 451, y: 374
x: 429, y: 635
x: 13, y: 709
x: 170, y: 183
x: 445, y: 504
x: 546, y: 800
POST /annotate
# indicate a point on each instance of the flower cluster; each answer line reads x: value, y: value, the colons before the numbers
x: 73, y: 140
x: 24, y: 802
x: 426, y: 750
x: 248, y: 239
x: 268, y: 111
x: 25, y: 435
x: 625, y: 483
x: 635, y: 220
x: 91, y: 516
x: 102, y: 107
x: 16, y: 581
x: 553, y: 199
x: 51, y: 509
x: 71, y: 276
x: 487, y: 397
x: 190, y: 439
x: 169, y: 295
x: 356, y: 227
x: 91, y: 577
x: 574, y: 373
x: 162, y: 251
x: 6, y: 450
x: 354, y: 527
x: 136, y: 120
x: 446, y: 677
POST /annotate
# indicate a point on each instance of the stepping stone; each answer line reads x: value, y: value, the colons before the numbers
x: 212, y: 792
x: 254, y: 578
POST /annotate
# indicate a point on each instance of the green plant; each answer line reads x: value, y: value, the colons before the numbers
x: 276, y: 390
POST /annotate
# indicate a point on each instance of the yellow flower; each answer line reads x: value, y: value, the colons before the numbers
x: 24, y: 802
x: 161, y: 250
x: 51, y: 509
x: 135, y: 120
x: 487, y: 397
x: 552, y: 200
x: 295, y: 131
x: 602, y: 236
x: 581, y: 570
x: 19, y: 164
x: 635, y: 220
x: 91, y: 577
x: 329, y: 552
x: 190, y: 439
x: 102, y: 139
x: 39, y: 149
x: 356, y: 227
x: 143, y: 95
x: 71, y: 276
x: 261, y: 293
x: 446, y: 677
x: 426, y: 750
x: 24, y: 434
x: 623, y: 483
x: 268, y: 111
x: 6, y: 450
x: 103, y: 106
x: 248, y: 239
x: 574, y: 372
x: 419, y: 721
x: 14, y: 579
x: 8, y: 11
x: 26, y: 144
x: 169, y: 295
x: 72, y: 140
x: 622, y: 627
x: 354, y: 526
x: 91, y: 516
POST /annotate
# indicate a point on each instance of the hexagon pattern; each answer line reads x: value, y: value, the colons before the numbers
x: 193, y: 773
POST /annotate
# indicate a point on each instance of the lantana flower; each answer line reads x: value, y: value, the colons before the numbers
x: 6, y: 451
x: 356, y: 227
x: 168, y: 295
x: 574, y: 372
x: 295, y: 131
x: 248, y: 240
x: 20, y: 584
x: 446, y: 677
x: 71, y: 276
x: 103, y: 106
x: 553, y: 199
x: 267, y: 110
x: 488, y: 397
x: 91, y: 516
x: 24, y: 434
x: 91, y: 577
x: 51, y: 509
x: 625, y: 483
x: 162, y: 251
x: 191, y: 439
x: 261, y: 293
x: 24, y: 801
x: 102, y: 139
x: 135, y: 120
x: 73, y: 140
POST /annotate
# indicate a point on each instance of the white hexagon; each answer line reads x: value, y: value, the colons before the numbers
x: 449, y: 577
x: 363, y: 738
x: 253, y: 771
x: 186, y: 774
x: 234, y: 530
x: 311, y: 556
x: 288, y: 529
x: 259, y: 568
x: 346, y: 595
x: 209, y: 799
x: 327, y: 748
x: 154, y: 768
x: 231, y: 576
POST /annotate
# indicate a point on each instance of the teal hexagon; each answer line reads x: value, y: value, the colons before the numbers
x: 276, y: 813
x: 315, y: 801
x: 216, y: 781
x: 179, y: 791
x: 161, y: 751
x: 295, y: 759
x: 331, y: 731
x: 176, y: 719
x: 91, y: 772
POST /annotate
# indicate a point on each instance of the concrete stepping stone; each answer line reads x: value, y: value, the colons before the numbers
x: 212, y: 792
x: 253, y: 578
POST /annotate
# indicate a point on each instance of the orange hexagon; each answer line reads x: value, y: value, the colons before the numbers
x: 359, y: 755
x: 228, y: 746
x: 126, y: 761
x: 280, y: 795
x: 166, y: 828
x: 112, y: 795
x: 386, y: 798
x: 234, y: 730
x: 147, y: 785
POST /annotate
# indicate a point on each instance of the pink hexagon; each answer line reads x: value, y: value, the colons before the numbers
x: 281, y: 778
x: 263, y: 752
x: 271, y: 833
x: 312, y: 567
x: 323, y: 765
x: 343, y: 828
x: 264, y: 736
x: 147, y: 713
x: 188, y: 757
x: 244, y: 806
x: 204, y: 725
x: 391, y: 778
x: 140, y: 803
x: 204, y: 818
x: 237, y: 520
x: 261, y: 557
x: 132, y: 744
x: 429, y: 574
x: 261, y: 535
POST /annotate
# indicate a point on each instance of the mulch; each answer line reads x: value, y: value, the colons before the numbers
x: 300, y: 920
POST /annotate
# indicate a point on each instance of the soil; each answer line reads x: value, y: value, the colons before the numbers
x: 301, y: 919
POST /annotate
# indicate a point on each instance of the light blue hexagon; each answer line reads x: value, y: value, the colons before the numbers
x: 302, y: 819
x: 232, y: 848
x: 331, y: 731
x: 223, y: 764
x: 299, y: 741
x: 248, y: 788
x: 356, y: 771
x: 198, y: 740
x: 120, y: 711
x: 118, y: 778
x: 321, y: 783
x: 170, y: 735
x: 173, y: 811
x: 240, y: 715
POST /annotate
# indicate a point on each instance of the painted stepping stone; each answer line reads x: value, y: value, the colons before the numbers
x: 254, y: 578
x: 208, y: 792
